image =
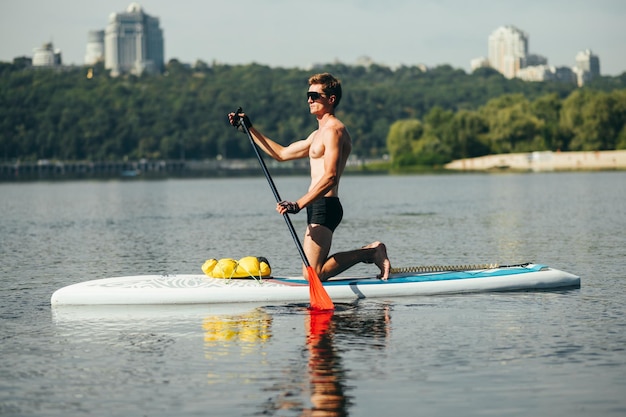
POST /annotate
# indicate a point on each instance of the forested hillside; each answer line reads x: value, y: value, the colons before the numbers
x: 416, y: 116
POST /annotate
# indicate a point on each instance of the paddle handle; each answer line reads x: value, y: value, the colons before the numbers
x: 274, y: 190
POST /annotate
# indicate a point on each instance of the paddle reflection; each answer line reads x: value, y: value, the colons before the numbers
x: 327, y: 375
x: 328, y: 391
x: 326, y: 379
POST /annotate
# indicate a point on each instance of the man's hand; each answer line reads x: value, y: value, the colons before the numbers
x: 237, y: 118
x: 288, y: 207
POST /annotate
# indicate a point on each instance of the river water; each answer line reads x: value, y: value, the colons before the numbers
x: 551, y: 353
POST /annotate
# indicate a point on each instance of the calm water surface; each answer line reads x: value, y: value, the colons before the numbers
x: 555, y: 353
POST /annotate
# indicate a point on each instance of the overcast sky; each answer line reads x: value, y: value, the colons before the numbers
x: 297, y: 33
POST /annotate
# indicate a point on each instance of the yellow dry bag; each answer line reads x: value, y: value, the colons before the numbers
x: 247, y: 267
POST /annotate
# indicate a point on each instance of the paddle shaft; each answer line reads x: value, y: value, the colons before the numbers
x: 276, y: 195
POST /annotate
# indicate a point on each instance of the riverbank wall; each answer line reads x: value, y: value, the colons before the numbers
x: 544, y: 161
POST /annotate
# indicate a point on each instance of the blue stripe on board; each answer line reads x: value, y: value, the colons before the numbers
x: 428, y: 276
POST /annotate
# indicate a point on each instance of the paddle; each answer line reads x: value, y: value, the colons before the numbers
x: 320, y: 300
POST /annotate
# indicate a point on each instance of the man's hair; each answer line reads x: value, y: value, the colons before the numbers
x: 330, y: 85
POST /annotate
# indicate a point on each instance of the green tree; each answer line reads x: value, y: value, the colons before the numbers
x: 512, y: 126
x: 547, y: 109
x: 620, y: 118
x: 402, y: 141
x: 593, y: 120
x: 469, y: 129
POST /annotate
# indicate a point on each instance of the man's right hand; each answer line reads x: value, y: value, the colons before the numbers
x: 237, y: 118
x: 288, y: 207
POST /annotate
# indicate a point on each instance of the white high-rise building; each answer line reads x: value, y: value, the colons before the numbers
x: 46, y: 56
x: 587, y: 61
x: 95, y: 47
x: 587, y: 67
x: 133, y: 43
x: 508, y: 50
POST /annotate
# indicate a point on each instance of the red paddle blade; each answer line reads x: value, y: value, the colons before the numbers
x: 320, y: 300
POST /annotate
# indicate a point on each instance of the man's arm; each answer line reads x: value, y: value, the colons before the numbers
x: 296, y: 150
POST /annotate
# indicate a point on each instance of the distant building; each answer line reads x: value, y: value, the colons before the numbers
x: 364, y: 61
x: 481, y: 62
x: 508, y: 50
x: 508, y: 54
x: 565, y: 74
x: 537, y: 73
x: 133, y: 43
x: 587, y: 66
x: 534, y: 59
x: 587, y: 61
x: 23, y: 61
x: 46, y: 56
x: 95, y: 47
x: 546, y: 73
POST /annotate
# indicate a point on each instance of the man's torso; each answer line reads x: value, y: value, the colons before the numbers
x: 318, y: 149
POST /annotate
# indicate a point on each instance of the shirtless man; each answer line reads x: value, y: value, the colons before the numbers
x: 328, y: 149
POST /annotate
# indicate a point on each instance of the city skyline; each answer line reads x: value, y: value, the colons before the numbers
x: 509, y: 55
x: 279, y: 33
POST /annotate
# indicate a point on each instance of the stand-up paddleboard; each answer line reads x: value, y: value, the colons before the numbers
x: 200, y: 289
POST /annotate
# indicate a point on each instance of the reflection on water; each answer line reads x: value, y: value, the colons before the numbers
x: 321, y: 388
x: 222, y: 333
x: 326, y: 374
x: 236, y: 348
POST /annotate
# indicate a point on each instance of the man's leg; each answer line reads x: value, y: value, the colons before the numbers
x: 317, y: 242
x: 375, y: 253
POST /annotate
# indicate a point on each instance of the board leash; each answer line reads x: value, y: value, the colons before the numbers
x: 444, y: 268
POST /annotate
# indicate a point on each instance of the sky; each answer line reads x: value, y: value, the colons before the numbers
x: 297, y: 33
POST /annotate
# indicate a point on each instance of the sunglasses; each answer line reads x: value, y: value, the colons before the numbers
x: 314, y: 95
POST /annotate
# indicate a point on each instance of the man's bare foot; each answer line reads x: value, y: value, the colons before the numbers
x: 381, y: 259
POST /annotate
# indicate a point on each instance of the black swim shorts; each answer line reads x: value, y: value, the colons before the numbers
x: 326, y: 211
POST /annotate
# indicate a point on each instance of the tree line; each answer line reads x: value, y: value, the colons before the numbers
x: 586, y: 120
x: 414, y: 115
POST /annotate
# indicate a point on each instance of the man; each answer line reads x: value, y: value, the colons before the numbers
x: 328, y: 149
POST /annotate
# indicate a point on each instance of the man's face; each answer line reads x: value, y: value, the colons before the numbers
x: 318, y: 101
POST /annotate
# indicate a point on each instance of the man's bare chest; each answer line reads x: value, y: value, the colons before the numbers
x: 316, y: 150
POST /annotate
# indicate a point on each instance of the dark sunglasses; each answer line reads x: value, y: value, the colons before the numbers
x: 313, y: 95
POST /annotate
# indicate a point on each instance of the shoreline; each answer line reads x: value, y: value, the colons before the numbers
x: 141, y: 169
x: 543, y: 161
x: 57, y: 170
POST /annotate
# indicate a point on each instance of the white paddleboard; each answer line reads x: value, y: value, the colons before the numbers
x: 200, y: 289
